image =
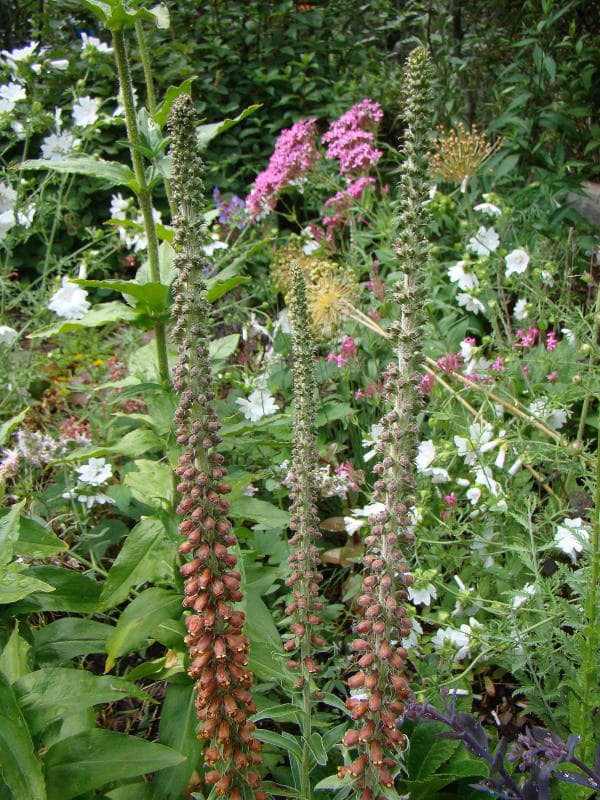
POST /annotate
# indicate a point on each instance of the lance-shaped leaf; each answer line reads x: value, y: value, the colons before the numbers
x: 205, y: 133
x: 19, y: 764
x: 111, y: 172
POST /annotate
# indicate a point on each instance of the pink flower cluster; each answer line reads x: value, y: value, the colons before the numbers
x: 294, y: 155
x: 350, y: 138
x: 348, y: 349
x: 527, y: 338
x: 342, y: 201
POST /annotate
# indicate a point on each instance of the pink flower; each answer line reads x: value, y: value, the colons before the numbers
x: 341, y: 202
x: 552, y: 376
x: 348, y: 347
x: 450, y: 363
x: 551, y: 340
x: 339, y: 359
x: 526, y: 370
x: 294, y: 155
x: 498, y: 365
x: 450, y: 499
x: 426, y: 384
x: 527, y: 338
x: 350, y: 138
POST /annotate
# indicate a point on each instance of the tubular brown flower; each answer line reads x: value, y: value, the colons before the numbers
x: 217, y: 645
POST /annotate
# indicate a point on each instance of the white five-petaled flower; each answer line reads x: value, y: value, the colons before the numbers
x: 370, y: 440
x: 70, y: 301
x: 7, y: 334
x: 93, y: 43
x: 556, y: 418
x: 13, y: 92
x: 520, y: 310
x: 465, y: 280
x: 258, y: 405
x: 522, y: 597
x: 95, y: 472
x: 422, y: 595
x: 425, y: 456
x: 360, y: 516
x: 13, y: 57
x: 57, y: 146
x: 469, y: 302
x: 485, y: 241
x: 516, y: 262
x: 478, y: 441
x: 460, y: 639
x: 571, y: 537
x: 488, y: 208
x: 85, y: 111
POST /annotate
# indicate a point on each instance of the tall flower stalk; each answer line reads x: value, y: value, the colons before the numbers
x: 304, y: 579
x: 379, y: 685
x: 143, y: 190
x: 217, y: 645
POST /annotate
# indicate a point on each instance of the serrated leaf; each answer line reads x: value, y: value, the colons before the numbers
x: 69, y: 637
x: 49, y: 693
x: 148, y: 555
x: 114, y: 173
x: 138, y: 621
x: 19, y: 764
x: 427, y: 751
x: 95, y: 758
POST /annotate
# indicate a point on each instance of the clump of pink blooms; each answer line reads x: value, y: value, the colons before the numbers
x: 350, y: 139
x: 342, y: 201
x: 294, y: 155
x: 527, y: 338
x: 348, y: 350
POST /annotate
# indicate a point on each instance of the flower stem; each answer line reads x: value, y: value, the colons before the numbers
x: 143, y: 193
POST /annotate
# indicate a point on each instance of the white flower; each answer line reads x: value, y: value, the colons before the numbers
x: 25, y: 215
x: 89, y: 500
x: 119, y: 206
x: 571, y: 537
x: 470, y: 303
x: 520, y: 598
x: 57, y: 146
x: 93, y: 43
x: 465, y: 280
x: 17, y: 127
x: 70, y: 301
x: 466, y: 350
x: 20, y: 53
x: 425, y: 456
x: 480, y: 435
x: 210, y: 248
x: 422, y: 595
x: 282, y: 323
x: 13, y: 92
x: 7, y: 220
x: 555, y: 418
x: 353, y: 525
x: 360, y: 516
x: 516, y: 262
x: 372, y: 509
x: 371, y: 439
x: 8, y: 197
x: 488, y: 208
x: 482, y: 545
x: 474, y: 495
x: 250, y: 490
x: 310, y: 247
x: 520, y: 310
x: 547, y: 277
x: 460, y: 639
x: 85, y: 111
x: 569, y: 336
x: 59, y: 63
x: 7, y: 334
x: 485, y: 241
x: 439, y: 475
x: 258, y: 405
x: 95, y: 472
x: 411, y: 641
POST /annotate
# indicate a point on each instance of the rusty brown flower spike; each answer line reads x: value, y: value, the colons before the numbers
x: 378, y: 686
x: 217, y: 646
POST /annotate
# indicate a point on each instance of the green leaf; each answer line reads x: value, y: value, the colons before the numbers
x: 14, y: 659
x: 265, y: 514
x: 286, y: 712
x: 98, y: 315
x: 220, y: 349
x: 151, y: 483
x: 148, y: 555
x: 333, y: 782
x: 173, y: 92
x: 69, y: 637
x: 72, y: 591
x: 36, y: 540
x: 317, y: 749
x: 427, y: 751
x: 281, y: 741
x: 220, y: 288
x: 330, y: 412
x: 9, y: 532
x: 205, y: 133
x: 133, y: 444
x: 153, y: 295
x: 8, y: 427
x: 15, y: 586
x: 259, y: 623
x: 178, y: 723
x: 138, y: 621
x: 99, y: 757
x: 112, y: 172
x: 51, y: 692
x: 19, y: 764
